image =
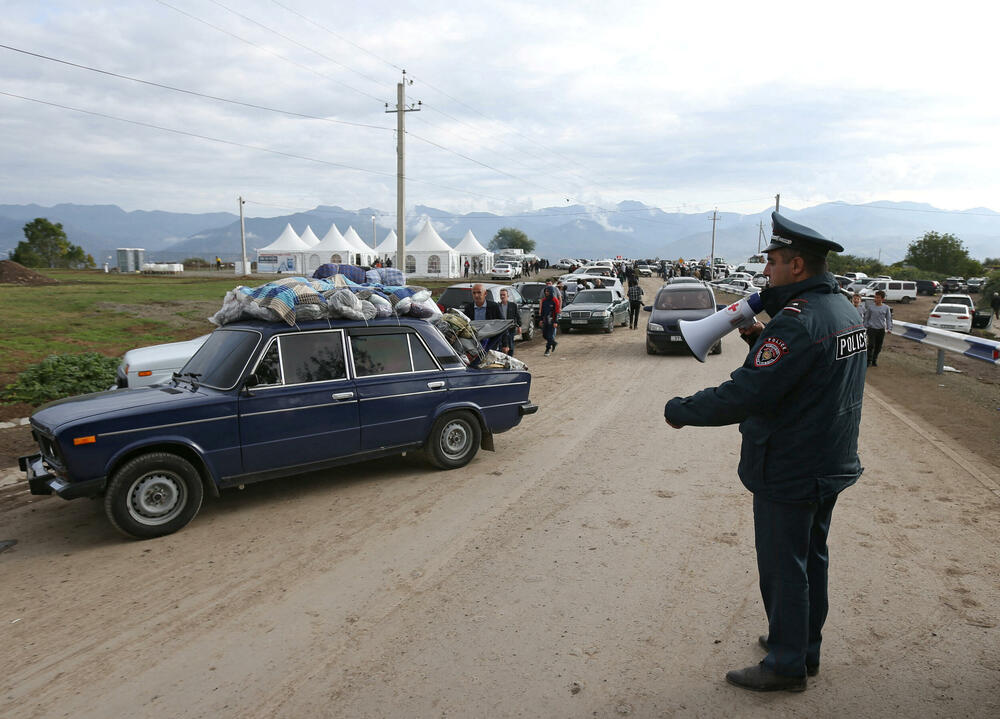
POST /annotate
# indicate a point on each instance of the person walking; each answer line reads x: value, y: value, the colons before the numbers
x: 878, y: 321
x: 634, y: 302
x: 995, y: 304
x: 508, y: 311
x: 856, y: 301
x: 466, y: 268
x: 548, y: 314
x: 798, y: 399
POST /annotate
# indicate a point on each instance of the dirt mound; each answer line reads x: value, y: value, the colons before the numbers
x: 11, y: 273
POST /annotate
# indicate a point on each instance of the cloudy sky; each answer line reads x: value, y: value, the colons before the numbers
x: 685, y: 106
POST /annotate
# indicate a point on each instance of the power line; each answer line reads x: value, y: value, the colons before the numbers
x: 233, y: 143
x: 269, y: 52
x: 193, y: 92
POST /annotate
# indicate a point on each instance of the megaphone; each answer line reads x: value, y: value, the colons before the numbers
x: 701, y: 334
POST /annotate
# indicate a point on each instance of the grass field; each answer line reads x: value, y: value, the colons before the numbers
x: 90, y: 311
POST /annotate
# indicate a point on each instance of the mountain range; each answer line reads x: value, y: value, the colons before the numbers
x: 881, y: 230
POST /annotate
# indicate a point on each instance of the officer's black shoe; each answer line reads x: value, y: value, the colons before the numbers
x: 811, y: 669
x: 759, y: 678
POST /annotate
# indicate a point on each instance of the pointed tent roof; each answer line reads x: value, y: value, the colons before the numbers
x: 356, y: 242
x: 470, y: 245
x: 428, y: 240
x: 333, y: 241
x: 287, y: 241
x: 309, y: 237
x: 388, y: 245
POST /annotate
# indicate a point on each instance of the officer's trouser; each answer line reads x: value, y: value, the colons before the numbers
x: 792, y: 561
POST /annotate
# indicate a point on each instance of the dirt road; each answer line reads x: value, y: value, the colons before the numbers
x: 598, y: 564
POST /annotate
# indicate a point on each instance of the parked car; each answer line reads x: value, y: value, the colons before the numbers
x: 531, y: 293
x: 264, y: 400
x: 155, y: 364
x: 644, y: 270
x: 975, y: 284
x: 955, y: 284
x: 904, y: 291
x: 683, y: 281
x: 594, y: 309
x: 957, y: 318
x: 504, y: 271
x: 461, y: 294
x: 928, y: 287
x: 855, y: 276
x: 957, y: 299
x: 675, y: 302
x: 565, y: 264
x: 843, y: 280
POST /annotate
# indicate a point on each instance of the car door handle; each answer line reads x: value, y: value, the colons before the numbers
x: 343, y: 395
x: 435, y: 385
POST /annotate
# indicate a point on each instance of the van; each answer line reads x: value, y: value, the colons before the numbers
x: 855, y: 275
x: 895, y: 290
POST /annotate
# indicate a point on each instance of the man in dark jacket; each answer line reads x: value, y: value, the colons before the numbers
x: 481, y: 308
x: 797, y: 399
x: 508, y: 311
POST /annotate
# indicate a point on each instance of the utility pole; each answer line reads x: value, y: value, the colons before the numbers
x: 760, y: 235
x: 711, y: 260
x: 401, y: 110
x: 777, y: 202
x: 374, y: 234
x: 243, y: 238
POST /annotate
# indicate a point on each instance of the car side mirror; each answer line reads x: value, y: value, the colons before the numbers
x: 251, y: 382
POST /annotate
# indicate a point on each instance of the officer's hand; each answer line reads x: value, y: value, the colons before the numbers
x: 753, y: 331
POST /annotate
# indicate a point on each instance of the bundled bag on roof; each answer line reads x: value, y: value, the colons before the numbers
x: 344, y: 303
x: 237, y: 305
x: 498, y: 360
x: 283, y: 299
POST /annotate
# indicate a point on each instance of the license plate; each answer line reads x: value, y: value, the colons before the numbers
x: 676, y: 338
x: 578, y: 322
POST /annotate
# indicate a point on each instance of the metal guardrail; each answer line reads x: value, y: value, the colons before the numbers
x: 975, y: 347
x: 968, y: 345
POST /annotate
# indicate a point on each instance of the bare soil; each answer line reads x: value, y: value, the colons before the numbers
x: 597, y: 564
x: 14, y: 273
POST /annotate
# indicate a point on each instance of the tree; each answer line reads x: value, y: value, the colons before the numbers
x: 944, y: 254
x: 511, y: 237
x: 46, y: 245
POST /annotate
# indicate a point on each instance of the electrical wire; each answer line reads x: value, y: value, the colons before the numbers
x: 194, y: 93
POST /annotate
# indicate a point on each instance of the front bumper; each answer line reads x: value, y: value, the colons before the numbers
x: 41, y: 481
x: 590, y: 323
x: 663, y: 341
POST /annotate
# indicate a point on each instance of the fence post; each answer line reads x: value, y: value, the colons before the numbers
x: 940, y: 362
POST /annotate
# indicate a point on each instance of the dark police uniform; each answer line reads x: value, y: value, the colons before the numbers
x: 797, y: 399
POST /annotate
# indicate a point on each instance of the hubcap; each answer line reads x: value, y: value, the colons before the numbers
x: 455, y: 438
x: 156, y: 498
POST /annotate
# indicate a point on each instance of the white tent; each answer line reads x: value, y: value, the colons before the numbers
x: 360, y: 247
x: 309, y: 237
x: 430, y: 256
x: 332, y: 248
x: 285, y: 254
x: 386, y: 249
x: 470, y: 249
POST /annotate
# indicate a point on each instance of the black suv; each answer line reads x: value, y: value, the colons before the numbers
x: 928, y: 287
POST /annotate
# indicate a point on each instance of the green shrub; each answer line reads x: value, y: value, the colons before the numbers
x: 59, y: 376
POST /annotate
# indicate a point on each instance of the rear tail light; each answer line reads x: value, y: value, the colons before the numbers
x: 442, y: 308
x: 934, y: 315
x: 963, y: 317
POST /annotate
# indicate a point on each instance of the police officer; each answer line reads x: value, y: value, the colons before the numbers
x: 797, y: 399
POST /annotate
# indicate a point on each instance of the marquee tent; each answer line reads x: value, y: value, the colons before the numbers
x: 332, y: 248
x: 386, y: 249
x: 470, y: 249
x: 430, y: 256
x: 284, y: 254
x: 360, y: 247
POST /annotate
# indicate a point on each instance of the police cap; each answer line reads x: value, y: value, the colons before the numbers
x: 788, y: 234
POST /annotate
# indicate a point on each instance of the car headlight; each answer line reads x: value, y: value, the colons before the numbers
x: 654, y: 327
x: 563, y: 315
x: 600, y: 313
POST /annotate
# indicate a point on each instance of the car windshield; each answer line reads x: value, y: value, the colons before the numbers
x: 531, y: 293
x: 220, y: 361
x: 596, y: 296
x: 455, y: 297
x: 684, y: 300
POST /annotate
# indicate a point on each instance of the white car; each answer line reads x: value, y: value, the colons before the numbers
x: 155, y: 364
x: 954, y: 299
x: 957, y: 318
x: 565, y: 264
x: 503, y: 271
x: 644, y: 270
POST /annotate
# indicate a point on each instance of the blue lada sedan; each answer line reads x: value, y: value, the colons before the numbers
x: 263, y: 400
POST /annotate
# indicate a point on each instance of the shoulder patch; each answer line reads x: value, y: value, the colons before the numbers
x: 770, y: 351
x: 852, y: 343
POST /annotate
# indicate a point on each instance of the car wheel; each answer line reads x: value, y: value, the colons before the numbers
x: 530, y: 334
x: 611, y: 326
x: 649, y: 349
x: 906, y: 300
x: 153, y: 495
x: 717, y: 350
x: 454, y: 440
